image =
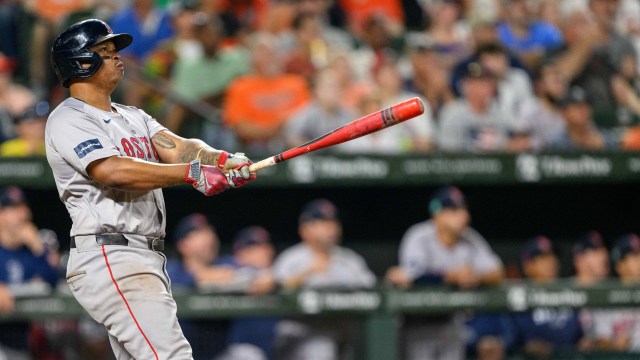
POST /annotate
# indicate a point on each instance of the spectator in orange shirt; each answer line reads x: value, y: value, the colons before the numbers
x: 358, y: 11
x: 258, y: 104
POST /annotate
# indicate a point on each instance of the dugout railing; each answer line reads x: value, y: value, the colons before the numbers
x: 378, y: 309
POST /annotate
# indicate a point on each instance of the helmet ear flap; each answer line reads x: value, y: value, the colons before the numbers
x: 81, y: 66
x: 84, y: 65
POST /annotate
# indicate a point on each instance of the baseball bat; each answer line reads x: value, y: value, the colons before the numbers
x: 365, y: 125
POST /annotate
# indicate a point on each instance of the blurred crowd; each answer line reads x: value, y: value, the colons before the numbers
x: 441, y: 250
x: 265, y: 75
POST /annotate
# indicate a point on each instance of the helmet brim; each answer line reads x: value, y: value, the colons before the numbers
x: 120, y: 41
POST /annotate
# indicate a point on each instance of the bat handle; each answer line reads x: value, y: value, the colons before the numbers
x: 257, y: 166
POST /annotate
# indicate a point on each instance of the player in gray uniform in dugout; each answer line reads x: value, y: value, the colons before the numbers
x: 110, y: 162
x: 443, y: 250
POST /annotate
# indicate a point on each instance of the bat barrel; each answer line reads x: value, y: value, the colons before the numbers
x: 365, y: 125
x: 404, y: 111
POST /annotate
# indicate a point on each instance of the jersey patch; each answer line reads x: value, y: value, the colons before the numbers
x: 86, y: 147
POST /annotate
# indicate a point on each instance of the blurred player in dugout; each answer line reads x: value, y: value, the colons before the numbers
x: 443, y: 250
x: 315, y: 263
x: 23, y: 261
x: 545, y: 332
x: 616, y: 329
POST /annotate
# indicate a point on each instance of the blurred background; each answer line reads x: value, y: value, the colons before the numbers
x: 500, y: 224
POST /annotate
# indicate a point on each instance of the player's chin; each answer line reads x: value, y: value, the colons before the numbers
x: 118, y: 75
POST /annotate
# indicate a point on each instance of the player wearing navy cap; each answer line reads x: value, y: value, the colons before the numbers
x: 543, y: 331
x: 590, y: 259
x: 617, y: 329
x: 318, y: 262
x: 443, y: 250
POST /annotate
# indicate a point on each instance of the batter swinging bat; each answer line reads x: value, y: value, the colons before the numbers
x: 365, y: 125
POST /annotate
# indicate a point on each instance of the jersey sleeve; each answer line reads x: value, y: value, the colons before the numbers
x: 412, y: 259
x: 285, y: 267
x: 485, y: 260
x: 363, y: 276
x: 152, y: 124
x: 79, y: 139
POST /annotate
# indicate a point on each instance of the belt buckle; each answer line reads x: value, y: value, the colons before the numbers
x: 156, y: 244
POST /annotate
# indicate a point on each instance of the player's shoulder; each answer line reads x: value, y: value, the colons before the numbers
x: 421, y: 228
x: 294, y: 252
x: 67, y: 111
x: 348, y: 254
x: 473, y: 237
x: 69, y: 104
x: 128, y: 108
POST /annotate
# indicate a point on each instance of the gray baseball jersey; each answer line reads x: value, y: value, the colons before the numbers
x: 124, y: 287
x: 422, y: 253
x: 78, y: 134
x: 346, y: 268
x: 318, y: 338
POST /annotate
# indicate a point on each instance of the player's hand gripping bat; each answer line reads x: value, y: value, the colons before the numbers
x: 365, y: 125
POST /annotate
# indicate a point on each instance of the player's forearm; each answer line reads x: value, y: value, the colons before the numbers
x: 296, y: 281
x: 135, y: 175
x: 173, y: 149
x: 492, y: 278
x: 575, y: 59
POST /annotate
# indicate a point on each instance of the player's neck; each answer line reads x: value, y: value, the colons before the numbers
x: 92, y: 96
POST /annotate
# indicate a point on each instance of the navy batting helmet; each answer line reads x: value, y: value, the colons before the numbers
x: 70, y: 56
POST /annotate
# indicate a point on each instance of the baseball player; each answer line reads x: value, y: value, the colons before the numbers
x: 443, y: 250
x: 109, y: 162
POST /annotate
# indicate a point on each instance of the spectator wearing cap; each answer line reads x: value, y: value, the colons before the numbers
x: 475, y: 122
x: 23, y: 261
x: 617, y: 329
x: 443, y: 250
x: 580, y: 132
x: 197, y: 244
x: 318, y: 262
x: 484, y: 31
x: 543, y: 331
x: 29, y: 128
x: 252, y: 259
x: 590, y: 259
